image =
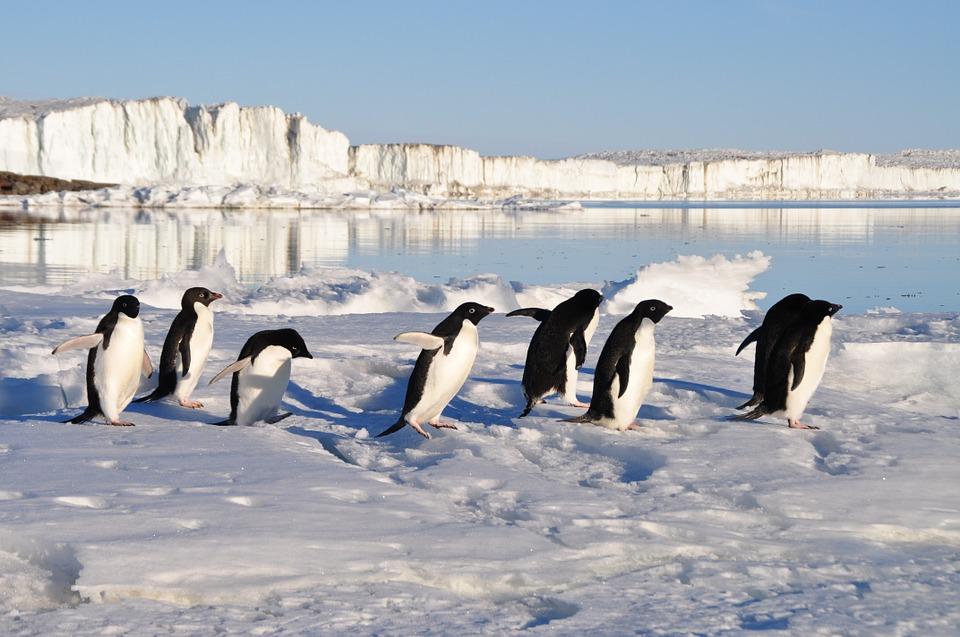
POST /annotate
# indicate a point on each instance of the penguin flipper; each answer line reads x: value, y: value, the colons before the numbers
x: 536, y: 313
x: 231, y: 369
x: 146, y: 365
x: 420, y: 339
x: 395, y: 427
x: 579, y: 343
x: 623, y: 371
x: 798, y: 360
x: 754, y: 335
x: 88, y: 341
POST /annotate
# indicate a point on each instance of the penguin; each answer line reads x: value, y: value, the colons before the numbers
x: 796, y: 364
x: 260, y: 376
x: 190, y: 338
x: 562, y: 334
x: 446, y: 358
x: 625, y: 369
x: 569, y: 386
x: 777, y: 318
x: 115, y: 361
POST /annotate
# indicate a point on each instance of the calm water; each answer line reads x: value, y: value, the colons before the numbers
x: 908, y: 257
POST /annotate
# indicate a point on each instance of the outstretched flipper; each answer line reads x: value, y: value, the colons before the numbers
x: 88, y: 341
x: 754, y: 335
x: 234, y: 367
x: 420, y: 339
x: 536, y: 313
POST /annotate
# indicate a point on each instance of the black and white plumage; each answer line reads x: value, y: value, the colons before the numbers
x: 796, y: 364
x: 624, y: 373
x: 260, y: 376
x: 447, y: 356
x: 186, y: 347
x: 115, y: 361
x: 777, y: 318
x: 559, y: 343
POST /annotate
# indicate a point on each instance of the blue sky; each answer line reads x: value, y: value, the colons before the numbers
x: 549, y: 79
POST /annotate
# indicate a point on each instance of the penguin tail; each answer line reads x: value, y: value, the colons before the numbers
x: 149, y: 398
x: 224, y: 423
x: 395, y: 427
x: 583, y: 418
x: 88, y: 414
x: 753, y: 415
x: 526, y: 410
x: 756, y: 399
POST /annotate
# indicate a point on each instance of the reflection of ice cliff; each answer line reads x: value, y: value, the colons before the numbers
x: 166, y: 153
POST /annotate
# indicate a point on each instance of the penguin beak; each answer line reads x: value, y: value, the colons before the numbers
x: 304, y: 354
x: 214, y: 296
x: 669, y: 308
x: 489, y: 310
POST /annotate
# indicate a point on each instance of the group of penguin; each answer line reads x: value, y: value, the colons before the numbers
x: 792, y: 346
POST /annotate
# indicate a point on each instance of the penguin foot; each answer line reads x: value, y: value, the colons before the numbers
x: 634, y: 426
x: 191, y: 404
x: 440, y: 424
x: 796, y: 424
x: 577, y: 403
x: 120, y: 423
x: 416, y: 427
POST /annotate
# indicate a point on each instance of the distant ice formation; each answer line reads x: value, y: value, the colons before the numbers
x: 166, y: 153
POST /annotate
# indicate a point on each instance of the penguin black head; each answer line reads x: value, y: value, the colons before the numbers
x: 292, y: 340
x: 126, y: 304
x: 652, y: 309
x: 203, y: 296
x: 473, y: 312
x: 588, y: 299
x: 818, y: 310
x: 794, y: 302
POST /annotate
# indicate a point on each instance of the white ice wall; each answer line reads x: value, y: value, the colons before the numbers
x: 165, y: 141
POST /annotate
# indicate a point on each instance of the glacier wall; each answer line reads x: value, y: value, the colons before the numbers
x: 164, y: 141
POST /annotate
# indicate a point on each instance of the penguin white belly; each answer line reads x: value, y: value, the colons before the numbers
x: 117, y: 369
x: 446, y: 375
x: 627, y: 406
x: 815, y: 362
x: 200, y: 343
x: 570, y: 385
x: 261, y: 386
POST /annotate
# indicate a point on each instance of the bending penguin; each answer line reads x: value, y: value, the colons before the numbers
x: 114, y: 363
x: 446, y: 358
x: 189, y: 339
x: 559, y: 344
x: 796, y: 365
x: 260, y: 376
x: 624, y: 373
x: 778, y: 317
x: 569, y: 384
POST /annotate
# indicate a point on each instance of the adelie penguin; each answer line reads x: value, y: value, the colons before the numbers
x: 189, y: 341
x: 778, y: 317
x: 114, y: 363
x: 796, y: 364
x: 558, y: 347
x: 447, y: 356
x: 260, y: 376
x: 624, y: 373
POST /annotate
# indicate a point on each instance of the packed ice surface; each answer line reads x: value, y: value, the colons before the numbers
x: 692, y: 525
x: 164, y: 152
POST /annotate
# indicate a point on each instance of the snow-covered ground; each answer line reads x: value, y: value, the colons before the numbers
x: 693, y: 525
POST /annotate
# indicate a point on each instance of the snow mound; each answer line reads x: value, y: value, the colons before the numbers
x: 695, y: 286
x: 35, y: 575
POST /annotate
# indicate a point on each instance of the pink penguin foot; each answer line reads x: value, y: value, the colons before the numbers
x: 191, y: 404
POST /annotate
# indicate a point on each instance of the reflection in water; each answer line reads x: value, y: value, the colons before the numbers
x: 873, y: 256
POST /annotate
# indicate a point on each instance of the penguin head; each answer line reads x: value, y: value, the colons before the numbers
x: 291, y: 339
x: 127, y: 304
x: 472, y: 312
x: 653, y: 309
x: 588, y: 299
x: 202, y: 296
x: 794, y: 302
x: 818, y: 310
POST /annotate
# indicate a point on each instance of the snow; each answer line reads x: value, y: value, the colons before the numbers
x: 693, y: 525
x: 165, y: 152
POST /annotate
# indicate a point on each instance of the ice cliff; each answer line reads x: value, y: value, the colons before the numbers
x: 164, y: 141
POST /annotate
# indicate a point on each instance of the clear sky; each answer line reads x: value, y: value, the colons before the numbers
x: 549, y: 79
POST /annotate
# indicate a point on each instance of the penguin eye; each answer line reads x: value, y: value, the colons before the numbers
x: 293, y: 349
x: 472, y: 310
x: 203, y: 295
x: 653, y: 308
